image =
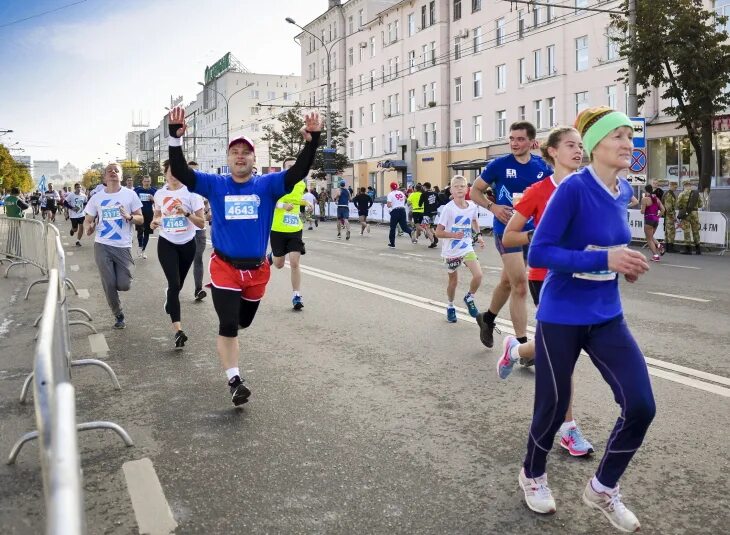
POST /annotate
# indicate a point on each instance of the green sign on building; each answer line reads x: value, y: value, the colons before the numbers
x: 218, y: 68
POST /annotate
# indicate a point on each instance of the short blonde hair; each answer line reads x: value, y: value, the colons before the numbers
x: 457, y: 178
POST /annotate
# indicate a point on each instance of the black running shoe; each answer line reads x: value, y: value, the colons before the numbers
x: 486, y: 331
x: 200, y: 295
x: 120, y: 322
x: 239, y: 392
x: 71, y: 232
x: 180, y: 339
x: 433, y: 245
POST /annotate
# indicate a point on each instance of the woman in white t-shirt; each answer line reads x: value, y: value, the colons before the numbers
x: 178, y: 213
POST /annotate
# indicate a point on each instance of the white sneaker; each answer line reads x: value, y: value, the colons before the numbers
x: 537, y: 493
x: 144, y: 255
x: 612, y: 507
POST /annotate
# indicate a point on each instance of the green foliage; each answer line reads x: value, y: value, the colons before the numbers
x: 681, y: 49
x: 287, y: 140
x: 13, y: 174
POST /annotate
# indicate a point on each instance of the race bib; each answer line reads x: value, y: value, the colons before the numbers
x: 174, y: 224
x: 454, y: 263
x: 241, y: 206
x: 291, y: 220
x: 465, y: 230
x: 145, y: 197
x: 109, y: 214
x: 604, y: 275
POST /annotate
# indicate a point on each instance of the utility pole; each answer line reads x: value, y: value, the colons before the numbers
x: 633, y: 105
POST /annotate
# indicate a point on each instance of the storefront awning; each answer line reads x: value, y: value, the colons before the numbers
x: 469, y: 165
x: 393, y: 164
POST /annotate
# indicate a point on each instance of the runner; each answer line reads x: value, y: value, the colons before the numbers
x: 509, y: 175
x: 415, y: 207
x: 460, y: 217
x: 146, y: 194
x: 118, y: 209
x: 177, y: 213
x: 363, y: 202
x: 44, y: 211
x: 342, y: 198
x: 651, y: 207
x: 308, y: 215
x: 201, y: 242
x: 62, y: 205
x: 129, y: 183
x: 53, y: 199
x: 396, y: 202
x: 582, y: 239
x: 244, y: 208
x: 75, y: 202
x: 564, y: 151
x: 286, y: 235
x: 430, y: 203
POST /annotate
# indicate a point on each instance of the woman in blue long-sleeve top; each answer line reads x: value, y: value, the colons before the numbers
x: 582, y: 239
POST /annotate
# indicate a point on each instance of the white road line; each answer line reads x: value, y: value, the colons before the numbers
x: 74, y: 267
x: 151, y: 509
x: 654, y: 365
x: 413, y: 254
x: 681, y: 297
x: 678, y: 266
x: 83, y: 293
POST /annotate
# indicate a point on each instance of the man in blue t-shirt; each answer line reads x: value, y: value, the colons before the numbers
x: 146, y: 194
x: 243, y: 206
x: 509, y: 176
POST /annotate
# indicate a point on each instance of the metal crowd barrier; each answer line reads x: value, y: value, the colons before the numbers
x: 54, y: 402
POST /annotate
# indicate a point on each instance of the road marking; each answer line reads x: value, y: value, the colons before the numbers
x: 654, y: 365
x: 69, y: 253
x: 681, y: 297
x: 413, y: 254
x: 151, y: 509
x: 74, y: 267
x: 97, y: 343
x: 83, y: 293
x: 678, y: 266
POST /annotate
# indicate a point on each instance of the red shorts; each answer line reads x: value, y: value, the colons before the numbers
x: 250, y: 282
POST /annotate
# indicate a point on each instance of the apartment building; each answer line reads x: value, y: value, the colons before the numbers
x: 433, y: 85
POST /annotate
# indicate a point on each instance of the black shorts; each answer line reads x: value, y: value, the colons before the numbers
x: 286, y: 242
x: 535, y: 288
x: 653, y: 224
x: 51, y: 207
x: 418, y: 217
x: 76, y: 222
x: 362, y: 213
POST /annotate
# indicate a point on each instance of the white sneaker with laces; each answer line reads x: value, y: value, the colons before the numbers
x: 610, y: 504
x: 538, y: 496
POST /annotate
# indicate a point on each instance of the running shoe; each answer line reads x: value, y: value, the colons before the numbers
x: 144, y: 255
x: 506, y: 362
x: 297, y: 302
x: 180, y: 339
x: 538, y: 496
x: 662, y: 250
x: 239, y: 392
x: 486, y: 331
x: 120, y: 322
x: 451, y: 314
x: 414, y: 240
x: 200, y: 295
x: 610, y: 504
x: 576, y: 444
x: 78, y: 243
x: 433, y: 245
x: 347, y: 235
x: 339, y: 236
x: 655, y: 258
x: 316, y: 223
x: 473, y: 310
x: 71, y: 232
x: 391, y: 245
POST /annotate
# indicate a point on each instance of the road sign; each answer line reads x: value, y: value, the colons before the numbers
x: 636, y: 179
x: 326, y: 149
x: 639, y: 132
x: 638, y: 161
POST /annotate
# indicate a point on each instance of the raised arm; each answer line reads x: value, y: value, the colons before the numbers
x: 311, y: 132
x: 178, y: 164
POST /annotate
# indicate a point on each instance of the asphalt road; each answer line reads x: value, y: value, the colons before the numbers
x: 370, y: 413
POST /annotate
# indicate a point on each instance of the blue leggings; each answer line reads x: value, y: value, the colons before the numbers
x: 614, y: 352
x: 398, y: 217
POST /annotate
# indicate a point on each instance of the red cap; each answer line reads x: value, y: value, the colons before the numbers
x: 394, y: 185
x: 242, y: 139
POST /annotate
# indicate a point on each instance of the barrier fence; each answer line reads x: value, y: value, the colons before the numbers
x: 53, y: 393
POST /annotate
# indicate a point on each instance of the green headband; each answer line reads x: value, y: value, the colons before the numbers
x: 602, y: 127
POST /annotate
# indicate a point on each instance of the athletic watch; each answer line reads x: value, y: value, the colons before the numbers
x: 187, y: 214
x: 490, y: 204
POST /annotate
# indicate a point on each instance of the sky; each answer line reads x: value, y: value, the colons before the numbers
x: 73, y: 78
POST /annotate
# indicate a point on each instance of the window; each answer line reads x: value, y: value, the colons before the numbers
x: 477, y: 127
x: 350, y: 57
x: 372, y: 79
x: 424, y: 54
x: 536, y: 15
x: 425, y: 135
x: 425, y: 95
x: 412, y: 132
x: 351, y: 149
x: 612, y: 47
x: 396, y: 28
x: 537, y: 106
x: 578, y: 4
x: 271, y: 95
x: 391, y: 140
x: 411, y: 24
x: 412, y: 61
x: 477, y: 39
x: 362, y: 116
x: 457, y: 89
x: 521, y: 67
x: 500, y: 31
x: 411, y: 100
x: 432, y: 52
x: 501, y: 77
x: 350, y: 87
x: 501, y: 125
x: 581, y: 101
x: 350, y: 25
x: 611, y: 96
x: 457, y: 131
x: 372, y: 47
x: 372, y: 113
x: 285, y: 96
x: 254, y: 110
x: 520, y: 24
x: 457, y: 9
x: 521, y: 113
x: 581, y: 53
x: 477, y: 84
x: 626, y: 99
x: 476, y: 5
x: 361, y: 83
x: 537, y: 61
x: 457, y: 47
x: 351, y: 119
x: 432, y: 93
x: 432, y: 12
x: 362, y: 148
x: 433, y: 134
x: 722, y: 8
x: 552, y: 118
x: 334, y: 90
x: 360, y: 18
x: 254, y: 93
x: 550, y: 12
x: 372, y: 146
x: 334, y: 61
x: 423, y: 17
x: 551, y: 68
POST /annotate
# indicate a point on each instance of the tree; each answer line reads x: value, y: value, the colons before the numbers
x: 287, y: 141
x: 13, y: 174
x: 681, y: 50
x: 91, y: 178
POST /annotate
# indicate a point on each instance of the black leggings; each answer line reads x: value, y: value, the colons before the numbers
x: 175, y: 261
x: 233, y: 312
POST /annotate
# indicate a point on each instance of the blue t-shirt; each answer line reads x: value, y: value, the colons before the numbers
x: 344, y: 198
x: 508, y: 176
x: 242, y: 213
x: 147, y: 196
x: 582, y: 219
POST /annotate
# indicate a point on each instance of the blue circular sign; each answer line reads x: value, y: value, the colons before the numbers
x: 638, y: 161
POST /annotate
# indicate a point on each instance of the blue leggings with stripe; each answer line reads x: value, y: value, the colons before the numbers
x: 613, y: 350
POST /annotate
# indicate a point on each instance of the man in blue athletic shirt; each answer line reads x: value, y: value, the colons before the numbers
x: 243, y: 204
x: 509, y: 176
x: 146, y: 194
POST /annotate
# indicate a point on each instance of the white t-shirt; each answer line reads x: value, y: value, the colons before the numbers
x: 311, y: 199
x: 174, y: 227
x: 76, y: 202
x: 455, y: 219
x: 112, y: 229
x: 397, y: 199
x: 97, y: 189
